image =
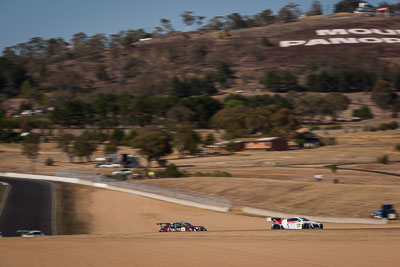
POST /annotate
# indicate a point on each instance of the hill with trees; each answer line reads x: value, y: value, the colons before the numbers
x: 185, y: 80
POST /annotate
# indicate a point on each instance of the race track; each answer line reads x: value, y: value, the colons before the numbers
x: 28, y: 207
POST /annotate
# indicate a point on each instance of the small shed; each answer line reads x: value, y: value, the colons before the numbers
x: 268, y: 143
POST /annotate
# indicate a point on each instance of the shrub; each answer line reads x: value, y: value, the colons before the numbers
x: 388, y: 126
x: 397, y: 147
x: 334, y: 127
x: 363, y: 112
x: 383, y: 159
x: 49, y: 161
x: 315, y: 127
x: 333, y: 168
x: 212, y: 174
x: 171, y: 171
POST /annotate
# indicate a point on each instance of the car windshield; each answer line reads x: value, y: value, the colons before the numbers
x: 304, y: 219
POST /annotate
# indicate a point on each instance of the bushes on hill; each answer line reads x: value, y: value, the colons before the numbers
x: 363, y: 112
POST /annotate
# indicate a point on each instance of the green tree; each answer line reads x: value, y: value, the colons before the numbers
x: 258, y: 120
x: 284, y: 123
x: 111, y: 148
x: 336, y: 102
x: 383, y: 96
x: 316, y: 9
x: 363, y: 112
x: 215, y: 23
x: 188, y: 18
x: 31, y: 147
x: 232, y: 120
x: 346, y: 6
x: 209, y: 139
x: 64, y: 142
x: 224, y: 73
x: 26, y: 89
x: 178, y: 116
x: 185, y: 139
x: 264, y: 18
x: 289, y: 12
x: 235, y: 21
x: 153, y: 145
x: 84, y: 146
x: 166, y: 25
x: 204, y: 107
x: 117, y: 136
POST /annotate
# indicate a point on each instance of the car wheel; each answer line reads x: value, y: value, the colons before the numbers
x: 392, y: 216
x: 321, y: 226
x: 276, y: 227
x: 306, y: 226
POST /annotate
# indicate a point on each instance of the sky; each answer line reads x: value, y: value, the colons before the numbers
x: 21, y: 20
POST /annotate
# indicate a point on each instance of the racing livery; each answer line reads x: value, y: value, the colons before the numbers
x: 180, y: 227
x: 294, y: 223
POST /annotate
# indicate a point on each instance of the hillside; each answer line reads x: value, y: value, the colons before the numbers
x: 148, y: 66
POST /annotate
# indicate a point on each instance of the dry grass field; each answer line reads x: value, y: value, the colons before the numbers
x: 273, y: 180
x: 123, y: 230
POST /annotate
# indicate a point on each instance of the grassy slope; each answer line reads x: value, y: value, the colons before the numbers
x: 292, y: 196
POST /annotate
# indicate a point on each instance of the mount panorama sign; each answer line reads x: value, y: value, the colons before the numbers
x: 363, y: 36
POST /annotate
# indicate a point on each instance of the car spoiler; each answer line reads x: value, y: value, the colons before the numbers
x: 273, y: 219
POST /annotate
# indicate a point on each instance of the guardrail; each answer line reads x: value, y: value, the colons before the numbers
x: 150, y: 191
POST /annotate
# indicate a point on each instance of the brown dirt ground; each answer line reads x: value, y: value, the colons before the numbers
x: 132, y: 239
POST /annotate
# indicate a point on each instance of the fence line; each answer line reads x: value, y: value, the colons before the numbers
x: 170, y: 195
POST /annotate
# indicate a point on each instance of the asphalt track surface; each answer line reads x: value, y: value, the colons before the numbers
x: 28, y: 207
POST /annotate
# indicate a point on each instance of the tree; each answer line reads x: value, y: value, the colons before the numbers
x: 232, y: 120
x: 224, y: 73
x: 153, y: 145
x: 26, y: 89
x: 264, y: 18
x: 346, y: 6
x: 216, y: 23
x: 117, y: 136
x: 235, y: 21
x: 258, y: 120
x: 72, y: 112
x: 289, y: 12
x: 84, y: 146
x: 185, y: 139
x: 31, y: 147
x: 336, y: 102
x: 284, y: 122
x: 79, y: 43
x: 316, y: 9
x: 166, y: 25
x: 383, y: 96
x: 111, y: 148
x: 64, y: 141
x: 204, y: 107
x: 363, y: 112
x: 209, y: 139
x: 188, y: 18
x: 179, y: 115
x: 96, y: 45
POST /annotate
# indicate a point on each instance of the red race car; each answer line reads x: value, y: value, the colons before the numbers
x: 180, y: 227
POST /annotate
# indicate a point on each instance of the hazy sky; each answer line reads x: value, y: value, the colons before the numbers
x: 21, y: 20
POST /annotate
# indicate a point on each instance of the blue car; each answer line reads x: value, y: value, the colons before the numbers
x: 387, y: 211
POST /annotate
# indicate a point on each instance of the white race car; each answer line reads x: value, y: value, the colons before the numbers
x: 294, y: 223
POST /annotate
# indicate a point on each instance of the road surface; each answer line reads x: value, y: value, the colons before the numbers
x: 28, y: 207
